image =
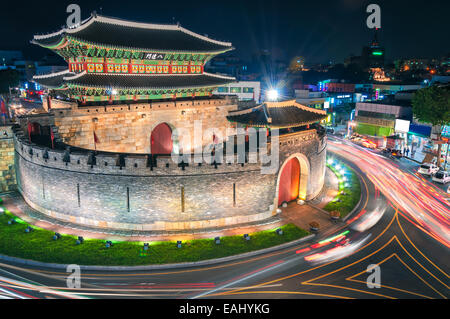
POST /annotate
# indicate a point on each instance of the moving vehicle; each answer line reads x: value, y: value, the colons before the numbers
x: 442, y: 177
x: 428, y: 169
x: 392, y: 153
x: 396, y: 153
x: 369, y: 144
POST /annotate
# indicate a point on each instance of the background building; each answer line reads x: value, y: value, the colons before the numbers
x: 244, y: 90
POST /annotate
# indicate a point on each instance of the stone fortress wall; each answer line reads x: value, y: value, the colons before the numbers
x: 7, y: 168
x: 127, y: 128
x: 68, y: 186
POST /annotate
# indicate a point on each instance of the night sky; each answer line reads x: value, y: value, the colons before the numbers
x: 318, y: 30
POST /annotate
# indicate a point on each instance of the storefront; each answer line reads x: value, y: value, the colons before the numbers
x: 401, y: 131
x: 445, y: 151
x: 418, y: 141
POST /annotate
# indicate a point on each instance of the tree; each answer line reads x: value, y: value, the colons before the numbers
x: 432, y: 105
x: 8, y: 78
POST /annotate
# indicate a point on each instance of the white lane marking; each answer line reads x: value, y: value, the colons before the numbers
x: 241, y: 279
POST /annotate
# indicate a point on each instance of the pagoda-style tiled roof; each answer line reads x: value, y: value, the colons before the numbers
x: 53, y: 80
x: 278, y: 115
x: 134, y: 81
x: 118, y: 33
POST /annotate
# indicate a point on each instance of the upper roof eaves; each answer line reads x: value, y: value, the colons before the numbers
x: 114, y: 32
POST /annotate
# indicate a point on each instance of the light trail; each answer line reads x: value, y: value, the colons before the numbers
x: 428, y: 209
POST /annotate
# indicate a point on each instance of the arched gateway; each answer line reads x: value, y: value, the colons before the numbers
x: 289, y: 181
x: 293, y: 179
x: 161, y: 139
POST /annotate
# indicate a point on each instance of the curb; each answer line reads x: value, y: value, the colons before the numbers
x: 157, y: 267
x: 357, y: 205
x: 360, y: 185
x: 409, y: 158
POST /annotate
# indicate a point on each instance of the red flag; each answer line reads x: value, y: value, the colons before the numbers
x: 52, y: 137
x: 2, y: 107
x: 95, y: 141
x: 49, y: 102
x: 29, y: 131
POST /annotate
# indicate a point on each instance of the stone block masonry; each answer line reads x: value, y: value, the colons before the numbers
x: 127, y: 128
x: 7, y: 168
x: 136, y: 197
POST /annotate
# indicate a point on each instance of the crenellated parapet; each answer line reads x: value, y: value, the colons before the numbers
x: 137, y: 192
x: 88, y: 161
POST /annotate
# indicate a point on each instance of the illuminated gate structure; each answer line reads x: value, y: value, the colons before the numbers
x: 293, y: 120
x: 112, y: 59
x: 110, y: 118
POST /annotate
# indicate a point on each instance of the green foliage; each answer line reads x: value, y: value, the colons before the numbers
x: 432, y: 105
x: 352, y: 193
x: 39, y: 245
x: 8, y: 78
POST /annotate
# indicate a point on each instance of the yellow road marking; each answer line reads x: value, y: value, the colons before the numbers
x: 385, y: 286
x: 285, y: 292
x: 410, y: 241
x: 320, y: 266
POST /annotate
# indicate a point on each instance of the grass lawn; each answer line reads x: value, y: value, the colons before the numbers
x: 38, y: 245
x: 351, y: 187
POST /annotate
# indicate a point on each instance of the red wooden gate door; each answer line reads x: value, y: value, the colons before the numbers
x: 161, y: 139
x: 289, y: 181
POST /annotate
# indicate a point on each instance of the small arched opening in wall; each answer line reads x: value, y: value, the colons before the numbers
x: 292, y: 179
x: 161, y: 139
x: 40, y: 134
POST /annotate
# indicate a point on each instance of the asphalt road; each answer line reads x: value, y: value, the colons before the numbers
x: 401, y: 225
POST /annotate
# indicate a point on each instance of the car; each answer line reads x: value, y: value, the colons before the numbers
x: 442, y: 177
x: 330, y: 130
x: 396, y: 153
x: 369, y: 144
x: 428, y: 169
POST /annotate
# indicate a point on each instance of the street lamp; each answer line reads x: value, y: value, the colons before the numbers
x: 272, y: 95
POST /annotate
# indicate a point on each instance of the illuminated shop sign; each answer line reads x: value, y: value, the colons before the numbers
x: 402, y: 126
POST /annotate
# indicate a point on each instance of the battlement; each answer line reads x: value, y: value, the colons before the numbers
x: 87, y: 161
x: 64, y: 108
x: 144, y: 192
